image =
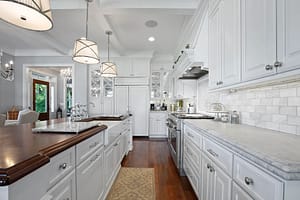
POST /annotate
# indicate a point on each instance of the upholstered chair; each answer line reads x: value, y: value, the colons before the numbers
x: 2, y: 120
x: 25, y: 116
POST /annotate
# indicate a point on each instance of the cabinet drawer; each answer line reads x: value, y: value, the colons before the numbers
x: 193, y: 153
x: 193, y: 136
x: 88, y: 146
x: 239, y: 194
x: 60, y: 165
x: 260, y: 185
x: 192, y: 175
x: 219, y: 155
x: 65, y: 189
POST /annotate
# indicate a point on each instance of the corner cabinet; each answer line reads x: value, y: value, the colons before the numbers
x: 224, y: 43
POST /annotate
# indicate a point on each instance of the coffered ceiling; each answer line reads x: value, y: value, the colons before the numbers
x: 126, y: 18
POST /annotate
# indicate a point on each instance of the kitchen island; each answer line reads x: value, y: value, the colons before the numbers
x: 45, y: 165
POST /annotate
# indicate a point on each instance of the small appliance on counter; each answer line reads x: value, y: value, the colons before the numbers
x: 152, y: 106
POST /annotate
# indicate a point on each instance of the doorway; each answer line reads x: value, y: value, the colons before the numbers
x: 41, y: 98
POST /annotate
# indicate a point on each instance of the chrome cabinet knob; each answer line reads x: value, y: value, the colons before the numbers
x: 63, y: 166
x: 277, y: 64
x: 248, y: 181
x: 268, y: 67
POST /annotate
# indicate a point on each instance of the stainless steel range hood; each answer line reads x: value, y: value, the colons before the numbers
x: 194, y: 72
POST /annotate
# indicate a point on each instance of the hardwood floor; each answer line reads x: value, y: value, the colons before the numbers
x: 155, y: 154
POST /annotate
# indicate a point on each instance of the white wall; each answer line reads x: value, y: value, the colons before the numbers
x: 275, y: 107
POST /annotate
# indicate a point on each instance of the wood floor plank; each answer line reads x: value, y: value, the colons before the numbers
x: 155, y: 154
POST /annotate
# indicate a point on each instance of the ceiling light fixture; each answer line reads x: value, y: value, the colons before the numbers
x: 86, y: 51
x: 151, y: 39
x: 151, y: 23
x: 108, y: 69
x: 30, y: 14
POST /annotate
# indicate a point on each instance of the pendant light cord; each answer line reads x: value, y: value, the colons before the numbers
x: 108, y: 47
x: 87, y: 19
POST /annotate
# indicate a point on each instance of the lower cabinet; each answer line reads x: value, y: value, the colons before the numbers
x: 64, y: 190
x: 216, y: 184
x: 90, y: 177
x: 239, y: 194
x: 157, y: 124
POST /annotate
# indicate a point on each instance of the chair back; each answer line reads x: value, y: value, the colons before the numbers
x: 28, y: 117
x: 2, y: 120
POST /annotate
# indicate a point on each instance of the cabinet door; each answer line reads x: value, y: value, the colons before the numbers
x: 90, y: 177
x: 288, y: 12
x: 231, y: 72
x: 207, y: 179
x: 139, y: 107
x: 239, y: 194
x: 109, y: 165
x: 158, y: 125
x: 222, y: 185
x: 258, y: 38
x: 140, y: 67
x: 65, y: 189
x: 123, y: 66
x: 215, y: 46
x: 121, y: 99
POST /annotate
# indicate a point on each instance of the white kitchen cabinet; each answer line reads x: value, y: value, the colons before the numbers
x: 216, y: 184
x: 288, y: 31
x: 132, y: 66
x: 224, y: 44
x: 135, y: 100
x: 157, y: 124
x: 239, y: 194
x: 90, y: 173
x: 65, y: 189
x: 258, y: 38
x: 186, y: 88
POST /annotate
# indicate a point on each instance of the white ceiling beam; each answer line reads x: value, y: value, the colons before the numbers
x: 175, y: 4
x: 150, y: 11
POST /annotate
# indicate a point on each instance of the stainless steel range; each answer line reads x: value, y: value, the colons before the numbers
x: 175, y: 135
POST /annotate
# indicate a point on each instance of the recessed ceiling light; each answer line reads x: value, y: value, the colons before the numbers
x: 151, y: 39
x: 151, y: 23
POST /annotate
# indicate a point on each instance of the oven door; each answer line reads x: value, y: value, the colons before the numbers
x: 173, y: 140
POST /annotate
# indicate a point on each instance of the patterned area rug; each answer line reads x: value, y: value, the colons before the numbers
x: 133, y: 183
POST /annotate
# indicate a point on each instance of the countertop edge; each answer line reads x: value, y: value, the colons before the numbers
x: 12, y: 174
x: 260, y: 161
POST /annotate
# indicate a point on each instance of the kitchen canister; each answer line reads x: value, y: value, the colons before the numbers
x: 235, y: 117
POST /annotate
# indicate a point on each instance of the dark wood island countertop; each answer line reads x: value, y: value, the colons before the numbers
x: 22, y: 151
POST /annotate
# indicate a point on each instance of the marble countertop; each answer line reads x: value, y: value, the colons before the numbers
x: 275, y: 151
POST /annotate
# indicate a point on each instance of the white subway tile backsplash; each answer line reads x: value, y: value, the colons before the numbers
x: 288, y: 110
x: 260, y: 109
x: 288, y: 128
x: 288, y: 92
x: 274, y: 107
x: 294, y: 101
x: 280, y: 101
x: 279, y: 118
x: 293, y: 120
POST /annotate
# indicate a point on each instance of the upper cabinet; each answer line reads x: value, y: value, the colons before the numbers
x: 258, y: 38
x: 132, y: 66
x: 288, y: 32
x: 224, y: 43
x: 252, y: 41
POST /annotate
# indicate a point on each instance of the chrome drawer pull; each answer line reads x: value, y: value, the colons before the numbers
x: 249, y: 181
x: 93, y: 145
x: 63, y: 166
x: 212, y: 153
x: 211, y: 169
x: 190, y: 135
x: 208, y: 166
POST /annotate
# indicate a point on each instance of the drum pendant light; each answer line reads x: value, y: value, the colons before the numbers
x: 28, y: 14
x: 86, y: 51
x: 108, y: 69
